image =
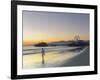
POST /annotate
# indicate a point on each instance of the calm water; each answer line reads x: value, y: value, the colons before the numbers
x: 54, y: 56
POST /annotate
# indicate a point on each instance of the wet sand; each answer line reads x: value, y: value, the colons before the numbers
x: 57, y: 59
x: 79, y: 60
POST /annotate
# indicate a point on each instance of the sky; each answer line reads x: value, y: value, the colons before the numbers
x: 54, y: 26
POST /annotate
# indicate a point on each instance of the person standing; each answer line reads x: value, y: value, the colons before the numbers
x: 43, y: 53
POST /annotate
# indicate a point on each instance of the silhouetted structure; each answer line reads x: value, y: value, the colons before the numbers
x: 77, y: 38
x: 42, y: 44
x: 79, y: 43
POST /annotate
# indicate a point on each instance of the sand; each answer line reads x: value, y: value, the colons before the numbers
x: 79, y: 60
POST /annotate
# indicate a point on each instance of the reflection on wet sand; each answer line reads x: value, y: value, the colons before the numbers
x: 50, y: 59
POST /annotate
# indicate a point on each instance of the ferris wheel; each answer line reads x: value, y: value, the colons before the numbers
x: 77, y: 38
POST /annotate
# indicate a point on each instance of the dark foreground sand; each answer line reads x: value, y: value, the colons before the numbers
x: 79, y: 60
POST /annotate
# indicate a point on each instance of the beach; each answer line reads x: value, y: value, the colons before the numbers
x: 57, y: 57
x: 80, y: 60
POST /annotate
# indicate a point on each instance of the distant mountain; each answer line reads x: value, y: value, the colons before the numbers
x: 60, y: 43
x: 63, y: 43
x: 69, y: 43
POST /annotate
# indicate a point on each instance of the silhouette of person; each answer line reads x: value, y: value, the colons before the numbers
x: 43, y: 53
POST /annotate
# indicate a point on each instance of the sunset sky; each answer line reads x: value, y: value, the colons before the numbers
x: 54, y: 26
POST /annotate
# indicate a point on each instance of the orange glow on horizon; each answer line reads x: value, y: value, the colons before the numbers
x: 32, y: 40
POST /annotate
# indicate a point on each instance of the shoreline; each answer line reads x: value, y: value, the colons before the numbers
x: 79, y: 60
